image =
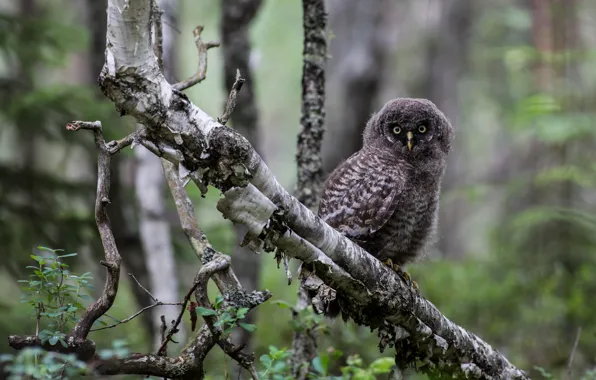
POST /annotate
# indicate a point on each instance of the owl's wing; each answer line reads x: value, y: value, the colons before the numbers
x: 361, y: 195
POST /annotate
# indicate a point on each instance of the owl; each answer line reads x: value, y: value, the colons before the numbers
x: 385, y: 197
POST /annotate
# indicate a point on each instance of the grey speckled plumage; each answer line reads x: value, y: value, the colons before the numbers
x: 385, y: 196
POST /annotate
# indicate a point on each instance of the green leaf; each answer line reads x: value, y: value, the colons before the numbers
x: 382, y: 365
x: 42, y: 248
x: 204, y: 311
x: 318, y: 365
x: 68, y: 255
x: 248, y: 327
x: 53, y: 340
x: 266, y: 360
x: 283, y: 304
x: 218, y: 300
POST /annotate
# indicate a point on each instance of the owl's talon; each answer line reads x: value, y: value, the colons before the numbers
x: 389, y: 263
x: 406, y: 277
x: 401, y: 273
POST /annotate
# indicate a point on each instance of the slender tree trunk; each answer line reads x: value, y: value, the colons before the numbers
x: 447, y: 60
x: 236, y: 19
x: 150, y: 183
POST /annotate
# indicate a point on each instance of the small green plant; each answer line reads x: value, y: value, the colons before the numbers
x: 228, y: 316
x: 276, y: 363
x: 355, y: 371
x: 55, y: 293
x: 278, y: 366
x: 306, y: 319
x: 39, y: 364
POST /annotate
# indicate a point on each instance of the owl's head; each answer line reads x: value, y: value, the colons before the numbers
x: 415, y: 129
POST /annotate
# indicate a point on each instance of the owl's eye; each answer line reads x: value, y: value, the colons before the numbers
x: 422, y: 128
x: 397, y: 130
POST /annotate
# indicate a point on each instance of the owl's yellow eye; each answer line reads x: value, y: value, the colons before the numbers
x: 397, y: 130
x: 422, y: 128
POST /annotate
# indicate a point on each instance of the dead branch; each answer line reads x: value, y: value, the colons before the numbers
x: 113, y: 259
x: 201, y: 73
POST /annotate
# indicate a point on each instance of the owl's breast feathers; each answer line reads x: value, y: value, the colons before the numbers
x: 372, y: 199
x: 360, y: 195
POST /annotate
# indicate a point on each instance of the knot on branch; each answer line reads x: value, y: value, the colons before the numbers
x: 122, y: 84
x: 241, y: 298
x: 276, y: 226
x: 229, y: 151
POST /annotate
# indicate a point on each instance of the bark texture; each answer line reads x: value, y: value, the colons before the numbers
x: 309, y: 160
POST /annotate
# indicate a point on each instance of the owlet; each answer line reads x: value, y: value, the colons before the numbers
x: 385, y: 197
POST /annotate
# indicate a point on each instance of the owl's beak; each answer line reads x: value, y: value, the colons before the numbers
x: 410, y: 136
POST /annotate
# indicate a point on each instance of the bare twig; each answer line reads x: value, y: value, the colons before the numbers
x: 137, y: 314
x: 575, y: 344
x: 231, y: 103
x: 117, y: 145
x: 162, y: 349
x: 201, y: 73
x: 145, y: 289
